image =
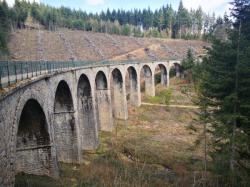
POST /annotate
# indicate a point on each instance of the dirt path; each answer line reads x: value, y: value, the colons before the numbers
x: 173, y: 106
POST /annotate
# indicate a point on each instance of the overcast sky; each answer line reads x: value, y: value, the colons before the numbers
x: 217, y: 6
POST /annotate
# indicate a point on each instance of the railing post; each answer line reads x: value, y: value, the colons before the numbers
x: 47, y: 67
x: 32, y: 69
x: 21, y: 71
x: 1, y: 70
x: 8, y: 71
x: 15, y: 73
x: 27, y: 70
x: 40, y: 67
x: 36, y: 68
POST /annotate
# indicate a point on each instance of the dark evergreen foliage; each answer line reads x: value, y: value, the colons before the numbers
x: 163, y: 22
x: 225, y: 98
x: 166, y: 21
x: 4, y: 27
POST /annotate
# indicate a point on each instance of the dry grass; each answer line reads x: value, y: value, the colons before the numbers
x: 155, y: 147
x: 24, y: 46
x: 182, y: 93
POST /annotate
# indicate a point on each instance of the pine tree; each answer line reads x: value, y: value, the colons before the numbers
x: 187, y: 65
x: 225, y: 86
x: 4, y: 28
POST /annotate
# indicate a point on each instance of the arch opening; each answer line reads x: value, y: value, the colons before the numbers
x: 118, y: 95
x: 33, y: 146
x: 64, y: 124
x: 161, y: 75
x: 132, y: 87
x: 103, y: 103
x: 101, y: 81
x: 175, y: 70
x: 86, y: 114
x: 147, y: 81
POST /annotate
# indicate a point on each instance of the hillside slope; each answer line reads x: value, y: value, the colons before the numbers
x: 65, y: 45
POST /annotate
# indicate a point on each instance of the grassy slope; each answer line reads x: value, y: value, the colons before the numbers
x: 182, y: 93
x: 24, y: 45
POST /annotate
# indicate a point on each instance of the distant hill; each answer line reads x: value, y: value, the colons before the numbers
x: 64, y: 44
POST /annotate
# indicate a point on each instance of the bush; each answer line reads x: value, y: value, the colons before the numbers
x: 157, y: 78
x: 167, y: 96
x: 162, y: 98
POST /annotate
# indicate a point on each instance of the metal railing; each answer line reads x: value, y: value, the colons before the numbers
x: 12, y: 72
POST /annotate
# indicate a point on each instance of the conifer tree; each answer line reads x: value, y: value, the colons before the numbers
x: 4, y: 27
x: 225, y: 88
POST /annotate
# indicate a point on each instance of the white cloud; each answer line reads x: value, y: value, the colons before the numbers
x: 12, y: 2
x: 217, y: 6
x: 95, y: 2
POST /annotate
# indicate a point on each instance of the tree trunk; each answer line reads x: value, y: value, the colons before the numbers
x: 232, y: 159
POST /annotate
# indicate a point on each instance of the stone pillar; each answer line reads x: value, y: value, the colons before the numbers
x: 66, y: 136
x: 178, y: 71
x: 86, y: 111
x: 87, y: 123
x: 168, y: 78
x: 125, y: 104
x: 54, y: 170
x: 120, y: 107
x: 134, y: 90
x: 139, y: 90
x: 104, y: 109
x: 164, y: 78
x: 149, y: 85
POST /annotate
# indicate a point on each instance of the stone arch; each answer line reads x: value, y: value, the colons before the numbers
x: 64, y: 124
x: 103, y: 102
x: 147, y: 75
x: 101, y: 81
x: 132, y: 86
x: 33, y: 142
x: 118, y: 95
x: 161, y: 72
x: 175, y: 69
x: 86, y: 114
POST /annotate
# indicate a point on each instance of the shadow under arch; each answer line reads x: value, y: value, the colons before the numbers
x: 33, y: 145
x: 175, y: 70
x: 103, y: 102
x: 132, y: 86
x: 161, y: 75
x: 118, y: 95
x: 64, y: 124
x: 86, y: 115
x: 147, y: 81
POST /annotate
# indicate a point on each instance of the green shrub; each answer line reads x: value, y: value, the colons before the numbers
x: 167, y: 96
x: 157, y: 78
x: 162, y: 98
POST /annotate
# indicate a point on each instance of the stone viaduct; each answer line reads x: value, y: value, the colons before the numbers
x: 56, y: 117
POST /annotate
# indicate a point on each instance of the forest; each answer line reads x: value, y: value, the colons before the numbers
x: 164, y: 22
x: 222, y: 81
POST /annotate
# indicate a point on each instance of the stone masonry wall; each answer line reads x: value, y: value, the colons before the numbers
x: 68, y: 132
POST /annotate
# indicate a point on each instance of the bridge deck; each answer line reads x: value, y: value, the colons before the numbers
x: 12, y: 72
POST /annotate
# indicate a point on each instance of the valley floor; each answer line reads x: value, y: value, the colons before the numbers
x: 156, y: 146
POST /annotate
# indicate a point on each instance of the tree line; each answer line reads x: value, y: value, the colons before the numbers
x: 163, y: 22
x: 222, y: 82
